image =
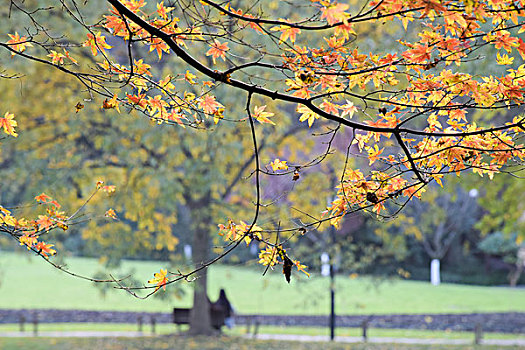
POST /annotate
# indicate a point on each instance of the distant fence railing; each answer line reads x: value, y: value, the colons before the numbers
x: 509, y: 322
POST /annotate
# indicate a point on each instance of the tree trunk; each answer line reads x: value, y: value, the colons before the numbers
x: 514, y: 275
x: 200, y: 321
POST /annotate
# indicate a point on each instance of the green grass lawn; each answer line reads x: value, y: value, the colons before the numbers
x: 28, y: 282
x: 230, y: 343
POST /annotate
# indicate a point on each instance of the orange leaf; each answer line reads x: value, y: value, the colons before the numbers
x: 18, y: 43
x: 334, y: 13
x: 160, y: 279
x: 209, y: 105
x: 42, y: 198
x: 110, y: 104
x: 110, y: 213
x: 287, y: 32
x: 44, y: 222
x: 217, y: 50
x: 45, y: 249
x: 56, y: 57
x: 97, y: 43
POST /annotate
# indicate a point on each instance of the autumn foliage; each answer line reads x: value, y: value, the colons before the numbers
x: 414, y: 105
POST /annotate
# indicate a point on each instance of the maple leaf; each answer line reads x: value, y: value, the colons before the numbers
x: 419, y: 54
x: 56, y: 57
x: 18, y: 43
x: 278, y: 164
x: 6, y: 218
x: 504, y: 60
x: 141, y: 68
x: 287, y: 32
x: 28, y: 240
x: 255, y: 233
x: 261, y: 116
x: 190, y: 77
x: 521, y: 47
x: 329, y: 107
x: 66, y: 53
x: 62, y: 225
x: 348, y: 109
x: 160, y: 279
x: 55, y: 203
x: 217, y: 50
x: 505, y: 41
x: 44, y: 222
x: 110, y: 213
x: 8, y: 123
x: 268, y: 257
x: 163, y: 11
x: 301, y: 267
x: 209, y: 105
x: 335, y: 13
x: 253, y: 25
x: 97, y: 43
x: 138, y: 100
x: 373, y: 154
x: 159, y: 45
x: 176, y: 117
x: 228, y: 231
x: 43, y: 198
x: 112, y: 103
x: 45, y: 249
x: 307, y: 114
x: 166, y: 84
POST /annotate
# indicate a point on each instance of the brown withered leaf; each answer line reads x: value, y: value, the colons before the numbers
x: 287, y: 268
x: 78, y: 107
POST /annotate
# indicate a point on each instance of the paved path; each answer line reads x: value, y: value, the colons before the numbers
x: 390, y: 340
x: 285, y: 337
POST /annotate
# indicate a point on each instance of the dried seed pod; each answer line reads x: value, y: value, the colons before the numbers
x: 372, y: 198
x: 287, y: 268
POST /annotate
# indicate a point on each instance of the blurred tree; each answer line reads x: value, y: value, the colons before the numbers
x: 158, y: 181
x: 503, y: 247
x: 437, y: 221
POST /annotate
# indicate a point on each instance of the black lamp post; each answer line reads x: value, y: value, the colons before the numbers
x: 332, y: 288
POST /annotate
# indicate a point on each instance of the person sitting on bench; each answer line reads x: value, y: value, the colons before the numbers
x: 224, y: 304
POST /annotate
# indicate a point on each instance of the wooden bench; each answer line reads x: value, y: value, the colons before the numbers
x: 182, y: 316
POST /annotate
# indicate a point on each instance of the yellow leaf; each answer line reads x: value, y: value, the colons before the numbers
x: 8, y: 123
x: 261, y: 116
x: 278, y: 164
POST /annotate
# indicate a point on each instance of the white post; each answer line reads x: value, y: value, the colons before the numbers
x: 325, y: 265
x: 187, y: 251
x: 434, y: 272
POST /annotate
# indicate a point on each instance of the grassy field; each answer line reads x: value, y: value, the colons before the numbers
x: 27, y: 282
x: 231, y: 343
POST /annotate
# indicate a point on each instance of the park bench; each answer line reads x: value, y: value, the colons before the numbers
x: 182, y: 316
